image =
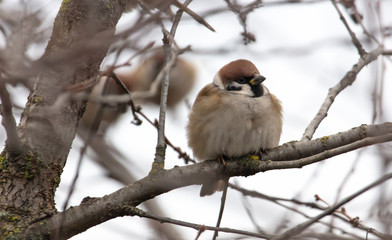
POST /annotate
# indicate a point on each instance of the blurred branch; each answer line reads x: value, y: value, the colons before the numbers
x: 138, y: 212
x: 354, y: 38
x: 82, y: 217
x: 377, y: 94
x: 242, y: 13
x: 9, y: 123
x: 154, y: 87
x: 387, y: 52
x: 128, y: 62
x: 346, y: 81
x: 184, y: 8
x: 345, y: 180
x: 77, y: 51
x: 246, y: 192
x: 128, y: 97
x: 250, y: 212
x: 164, y: 6
x: 96, y: 120
x: 181, y: 154
x: 218, y: 10
x: 279, y: 201
x: 301, y: 227
x: 357, y: 18
x: 222, y: 207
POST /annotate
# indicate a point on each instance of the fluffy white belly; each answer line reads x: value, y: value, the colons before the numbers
x: 244, y: 127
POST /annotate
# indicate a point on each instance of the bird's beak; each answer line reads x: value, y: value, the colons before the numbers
x: 257, y: 80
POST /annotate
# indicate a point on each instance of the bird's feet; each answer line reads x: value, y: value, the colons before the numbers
x: 221, y: 159
x: 263, y: 151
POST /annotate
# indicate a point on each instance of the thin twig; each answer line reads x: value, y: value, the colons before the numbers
x: 137, y: 121
x: 160, y: 152
x: 129, y: 60
x: 97, y: 119
x: 133, y: 211
x: 255, y: 194
x: 181, y: 154
x: 358, y: 17
x: 354, y: 221
x: 110, y: 99
x: 159, y: 160
x: 250, y: 212
x: 377, y: 94
x: 157, y: 83
x: 184, y: 8
x: 222, y: 208
x: 354, y: 38
x: 301, y: 227
x: 278, y: 201
x: 242, y: 13
x: 347, y: 177
x: 346, y: 81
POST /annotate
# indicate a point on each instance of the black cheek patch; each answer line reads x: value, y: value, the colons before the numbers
x: 257, y: 90
x: 233, y: 88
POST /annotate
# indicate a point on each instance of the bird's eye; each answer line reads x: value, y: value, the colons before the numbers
x: 241, y: 80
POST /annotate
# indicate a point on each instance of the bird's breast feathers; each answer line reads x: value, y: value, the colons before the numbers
x: 221, y: 123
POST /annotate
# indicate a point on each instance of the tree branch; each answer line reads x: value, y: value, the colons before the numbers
x: 289, y: 155
x: 354, y: 38
x: 301, y: 227
x: 313, y: 205
x: 13, y: 144
x: 346, y: 81
x: 138, y: 212
x: 169, y: 60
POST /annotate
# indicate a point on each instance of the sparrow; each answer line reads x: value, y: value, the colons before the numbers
x: 140, y: 82
x: 233, y: 116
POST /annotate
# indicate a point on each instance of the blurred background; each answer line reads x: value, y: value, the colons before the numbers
x: 301, y: 47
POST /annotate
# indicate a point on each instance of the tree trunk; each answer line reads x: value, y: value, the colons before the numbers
x: 82, y: 34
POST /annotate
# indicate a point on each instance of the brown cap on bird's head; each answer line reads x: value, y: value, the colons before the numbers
x: 237, y: 69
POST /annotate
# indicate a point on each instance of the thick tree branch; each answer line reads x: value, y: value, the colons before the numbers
x: 346, y: 81
x: 289, y: 155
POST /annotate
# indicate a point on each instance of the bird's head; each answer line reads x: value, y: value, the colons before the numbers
x: 240, y: 77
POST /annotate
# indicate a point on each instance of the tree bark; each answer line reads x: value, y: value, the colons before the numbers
x: 29, y: 177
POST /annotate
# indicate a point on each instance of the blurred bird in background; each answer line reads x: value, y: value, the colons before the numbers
x: 140, y: 81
